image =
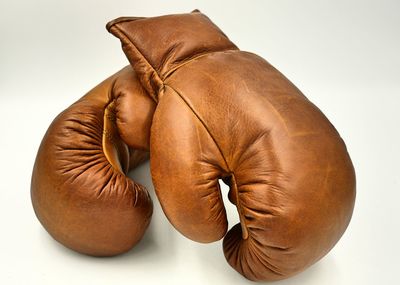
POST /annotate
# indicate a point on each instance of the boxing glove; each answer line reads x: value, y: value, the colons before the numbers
x: 227, y: 114
x: 79, y: 189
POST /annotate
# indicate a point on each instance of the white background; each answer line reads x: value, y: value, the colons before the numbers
x: 344, y: 56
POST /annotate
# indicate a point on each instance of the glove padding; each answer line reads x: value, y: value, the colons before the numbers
x: 80, y: 191
x: 227, y: 114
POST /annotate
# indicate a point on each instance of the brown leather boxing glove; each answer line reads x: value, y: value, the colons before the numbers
x: 227, y: 114
x: 80, y: 192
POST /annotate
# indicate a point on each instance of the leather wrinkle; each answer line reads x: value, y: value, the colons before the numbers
x: 108, y: 134
x: 63, y: 148
x: 264, y: 261
x: 97, y: 154
x: 94, y: 135
x: 169, y: 54
x: 234, y: 186
x: 110, y: 177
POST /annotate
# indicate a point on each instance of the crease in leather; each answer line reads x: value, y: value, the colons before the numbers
x: 242, y: 218
x: 108, y: 135
x: 109, y: 117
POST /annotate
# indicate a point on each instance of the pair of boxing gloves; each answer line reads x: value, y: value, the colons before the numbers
x: 202, y: 110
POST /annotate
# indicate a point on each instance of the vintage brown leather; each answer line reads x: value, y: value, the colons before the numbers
x: 80, y: 192
x: 227, y: 114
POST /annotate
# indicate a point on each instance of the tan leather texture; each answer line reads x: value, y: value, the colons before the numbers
x: 80, y: 192
x: 227, y: 114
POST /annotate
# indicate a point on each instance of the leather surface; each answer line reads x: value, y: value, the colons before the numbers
x: 80, y: 192
x: 227, y: 114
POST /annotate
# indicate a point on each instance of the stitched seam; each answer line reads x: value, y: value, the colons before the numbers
x: 195, y: 58
x: 202, y: 123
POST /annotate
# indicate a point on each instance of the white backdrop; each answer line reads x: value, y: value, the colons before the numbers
x: 344, y: 56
